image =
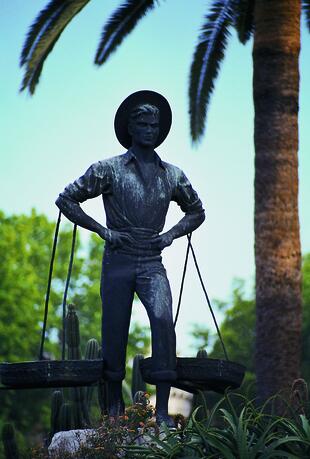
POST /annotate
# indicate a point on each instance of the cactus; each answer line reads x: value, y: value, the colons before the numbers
x: 137, y: 382
x: 66, y: 417
x: 73, y: 334
x: 91, y: 353
x: 9, y: 442
x: 57, y: 401
x: 202, y: 354
x: 80, y: 415
x: 92, y: 349
x: 77, y: 399
x: 199, y: 400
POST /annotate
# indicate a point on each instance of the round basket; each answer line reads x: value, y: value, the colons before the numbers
x: 194, y: 374
x: 51, y: 373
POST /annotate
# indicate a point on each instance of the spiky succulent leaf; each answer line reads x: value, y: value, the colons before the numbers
x: 306, y: 9
x: 206, y: 63
x: 244, y: 19
x: 120, y: 24
x: 43, y: 36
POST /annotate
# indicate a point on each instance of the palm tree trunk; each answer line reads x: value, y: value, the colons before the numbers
x: 277, y: 245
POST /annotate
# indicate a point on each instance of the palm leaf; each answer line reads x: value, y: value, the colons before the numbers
x: 44, y: 17
x: 120, y: 24
x: 33, y: 78
x: 244, y: 19
x: 306, y: 9
x: 206, y: 62
x: 43, y: 36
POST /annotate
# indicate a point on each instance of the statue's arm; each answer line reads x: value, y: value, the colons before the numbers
x: 187, y: 198
x: 73, y: 211
x: 94, y: 182
x: 187, y: 224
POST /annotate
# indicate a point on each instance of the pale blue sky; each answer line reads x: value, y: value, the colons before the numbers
x: 50, y: 139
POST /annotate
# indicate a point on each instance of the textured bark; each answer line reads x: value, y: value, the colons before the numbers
x: 277, y: 244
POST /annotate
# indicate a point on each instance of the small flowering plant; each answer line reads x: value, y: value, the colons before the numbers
x: 117, y: 432
x: 140, y: 413
x: 109, y: 441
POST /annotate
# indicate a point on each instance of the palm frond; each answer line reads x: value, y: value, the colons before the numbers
x: 42, y: 20
x: 31, y: 80
x: 43, y: 36
x: 206, y: 62
x: 244, y: 19
x: 120, y: 24
x: 306, y: 9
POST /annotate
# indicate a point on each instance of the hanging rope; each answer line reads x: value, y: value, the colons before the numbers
x: 182, y: 282
x: 190, y: 247
x: 64, y: 301
x: 207, y: 298
x: 47, y: 296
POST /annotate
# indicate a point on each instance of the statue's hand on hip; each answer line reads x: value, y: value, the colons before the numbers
x: 162, y: 241
x: 117, y: 238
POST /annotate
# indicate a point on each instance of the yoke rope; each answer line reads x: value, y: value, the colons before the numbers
x: 49, y: 286
x: 190, y: 247
x: 182, y: 282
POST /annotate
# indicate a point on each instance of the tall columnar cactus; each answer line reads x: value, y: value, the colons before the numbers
x: 92, y: 349
x: 66, y: 421
x: 202, y: 354
x: 73, y: 334
x: 91, y: 353
x: 57, y: 401
x: 80, y: 416
x: 9, y: 442
x: 137, y: 382
x: 199, y: 400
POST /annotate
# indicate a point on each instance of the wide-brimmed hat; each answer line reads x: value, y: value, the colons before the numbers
x: 139, y: 98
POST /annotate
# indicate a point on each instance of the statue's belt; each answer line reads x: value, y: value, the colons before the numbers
x: 143, y: 238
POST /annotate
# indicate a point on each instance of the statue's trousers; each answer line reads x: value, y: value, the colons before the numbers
x: 122, y: 276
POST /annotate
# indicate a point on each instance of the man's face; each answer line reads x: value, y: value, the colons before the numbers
x: 144, y: 130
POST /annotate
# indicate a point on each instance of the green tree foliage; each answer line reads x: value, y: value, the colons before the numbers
x: 25, y: 247
x: 25, y: 251
x: 238, y: 328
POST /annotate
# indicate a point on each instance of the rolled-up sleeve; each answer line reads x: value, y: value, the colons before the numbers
x: 185, y: 196
x: 96, y: 181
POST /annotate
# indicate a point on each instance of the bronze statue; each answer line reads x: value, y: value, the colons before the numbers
x: 136, y: 189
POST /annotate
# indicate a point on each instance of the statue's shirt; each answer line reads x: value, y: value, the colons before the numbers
x: 132, y: 202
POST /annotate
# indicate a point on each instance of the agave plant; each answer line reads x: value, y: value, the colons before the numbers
x: 275, y: 27
x: 228, y: 434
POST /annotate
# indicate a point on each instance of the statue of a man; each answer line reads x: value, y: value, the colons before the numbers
x: 136, y: 188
